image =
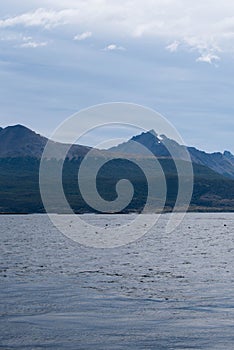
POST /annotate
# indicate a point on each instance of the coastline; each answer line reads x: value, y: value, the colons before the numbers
x: 190, y: 210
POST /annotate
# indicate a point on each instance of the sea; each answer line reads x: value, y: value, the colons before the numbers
x: 163, y: 291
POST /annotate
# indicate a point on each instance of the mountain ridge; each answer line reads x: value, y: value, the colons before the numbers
x: 20, y: 141
x: 21, y: 149
x: 159, y: 145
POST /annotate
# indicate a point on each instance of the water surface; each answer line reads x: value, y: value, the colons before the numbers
x: 163, y: 291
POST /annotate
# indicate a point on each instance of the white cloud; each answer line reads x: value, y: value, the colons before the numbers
x: 114, y: 47
x: 148, y: 29
x: 173, y: 47
x: 39, y: 17
x: 83, y: 36
x: 26, y: 38
x: 208, y: 58
x: 204, y: 26
x: 33, y: 44
x: 22, y: 40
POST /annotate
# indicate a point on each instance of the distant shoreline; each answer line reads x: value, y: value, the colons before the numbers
x: 199, y: 210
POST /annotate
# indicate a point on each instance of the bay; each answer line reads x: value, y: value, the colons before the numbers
x: 163, y: 291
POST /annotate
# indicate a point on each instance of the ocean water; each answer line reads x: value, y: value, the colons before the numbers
x: 164, y: 291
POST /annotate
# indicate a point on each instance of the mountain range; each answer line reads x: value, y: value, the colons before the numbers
x: 222, y: 163
x: 21, y: 150
x: 19, y: 141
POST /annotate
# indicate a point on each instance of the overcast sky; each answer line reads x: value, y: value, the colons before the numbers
x: 175, y: 56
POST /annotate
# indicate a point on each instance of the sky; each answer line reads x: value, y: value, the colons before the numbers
x: 175, y: 56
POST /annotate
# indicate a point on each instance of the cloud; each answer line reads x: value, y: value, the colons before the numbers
x: 39, y: 17
x: 33, y: 44
x: 148, y: 29
x: 114, y: 47
x: 83, y: 36
x: 26, y: 38
x: 173, y: 47
x: 21, y: 40
x: 177, y: 21
x: 208, y: 58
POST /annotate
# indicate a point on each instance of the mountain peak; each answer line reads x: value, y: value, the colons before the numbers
x: 228, y: 154
x: 146, y: 134
x: 152, y: 132
x: 18, y: 140
x: 149, y: 139
x: 18, y: 127
x: 159, y: 146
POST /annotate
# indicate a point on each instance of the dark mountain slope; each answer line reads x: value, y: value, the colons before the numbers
x: 222, y: 163
x: 21, y: 149
x: 19, y: 186
x: 19, y: 141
